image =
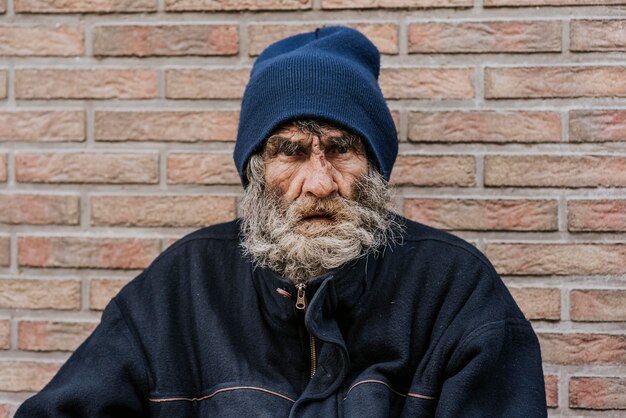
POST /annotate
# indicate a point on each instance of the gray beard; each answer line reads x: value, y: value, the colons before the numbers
x: 279, y: 238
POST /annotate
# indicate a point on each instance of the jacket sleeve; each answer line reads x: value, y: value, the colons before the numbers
x: 105, y: 377
x: 495, y: 372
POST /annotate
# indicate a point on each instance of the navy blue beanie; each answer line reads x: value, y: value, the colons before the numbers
x: 330, y: 75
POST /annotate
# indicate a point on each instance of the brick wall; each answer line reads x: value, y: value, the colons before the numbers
x: 117, y: 121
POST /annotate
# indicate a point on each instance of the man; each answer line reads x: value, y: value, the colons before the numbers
x: 320, y: 302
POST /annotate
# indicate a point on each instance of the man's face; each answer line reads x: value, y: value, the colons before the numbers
x: 301, y: 165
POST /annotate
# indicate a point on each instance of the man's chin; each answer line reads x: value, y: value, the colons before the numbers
x: 314, y: 227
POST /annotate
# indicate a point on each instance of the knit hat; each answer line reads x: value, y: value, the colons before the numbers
x: 331, y: 75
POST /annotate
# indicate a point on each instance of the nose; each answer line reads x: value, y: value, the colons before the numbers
x: 319, y: 180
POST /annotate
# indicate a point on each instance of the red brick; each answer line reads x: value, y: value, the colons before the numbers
x: 161, y: 211
x: 165, y: 40
x: 598, y: 305
x: 5, y: 250
x: 484, y: 126
x: 166, y: 126
x: 3, y: 9
x: 393, y: 4
x: 485, y: 37
x: 206, y: 84
x: 86, y: 84
x: 43, y: 126
x: 598, y: 35
x: 552, y: 390
x: 597, y: 125
x: 484, y: 214
x: 596, y: 215
x: 82, y: 6
x: 434, y: 170
x: 558, y: 259
x: 555, y: 82
x: 383, y: 35
x: 500, y: 3
x: 87, y: 168
x: 538, y: 302
x: 228, y: 5
x: 5, y: 337
x: 3, y: 84
x: 39, y: 209
x: 26, y: 376
x: 597, y: 392
x: 24, y: 41
x: 101, y: 291
x: 3, y: 168
x: 201, y: 169
x: 574, y: 349
x: 52, y: 335
x: 555, y: 171
x: 39, y: 294
x: 5, y: 409
x: 86, y: 252
x: 427, y: 83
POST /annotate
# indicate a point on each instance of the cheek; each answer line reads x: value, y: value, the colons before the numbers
x: 279, y: 175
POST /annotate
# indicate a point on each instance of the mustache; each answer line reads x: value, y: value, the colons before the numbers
x: 334, y: 207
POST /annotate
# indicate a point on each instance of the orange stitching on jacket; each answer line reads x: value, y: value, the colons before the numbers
x: 221, y: 390
x: 410, y: 394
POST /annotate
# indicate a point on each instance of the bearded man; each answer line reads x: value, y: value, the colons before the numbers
x: 319, y: 302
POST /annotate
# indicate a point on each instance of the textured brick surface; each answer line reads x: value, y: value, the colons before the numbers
x: 426, y: 83
x: 559, y: 259
x: 41, y: 41
x: 597, y: 392
x: 538, y: 302
x: 383, y: 35
x: 3, y: 167
x: 48, y: 126
x: 31, y: 376
x: 166, y: 126
x: 161, y: 211
x: 597, y: 125
x: 227, y: 5
x: 85, y: 84
x: 434, y: 171
x: 26, y: 293
x: 485, y: 37
x: 86, y: 168
x: 570, y: 81
x: 576, y: 348
x: 5, y: 335
x: 484, y: 214
x: 598, y: 35
x: 3, y: 6
x: 87, y: 252
x: 552, y: 390
x: 598, y: 305
x: 39, y: 209
x: 206, y: 84
x: 101, y: 291
x: 201, y: 169
x: 499, y: 3
x: 596, y: 215
x: 484, y: 126
x: 5, y: 248
x: 370, y: 4
x: 52, y: 335
x: 3, y: 84
x: 555, y: 171
x: 81, y: 6
x: 170, y: 40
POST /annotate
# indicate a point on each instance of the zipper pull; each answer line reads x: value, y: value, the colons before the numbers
x: 301, y: 297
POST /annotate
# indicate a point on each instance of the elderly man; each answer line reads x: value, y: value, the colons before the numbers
x: 319, y: 302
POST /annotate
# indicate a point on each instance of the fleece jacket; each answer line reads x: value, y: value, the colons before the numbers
x: 425, y: 328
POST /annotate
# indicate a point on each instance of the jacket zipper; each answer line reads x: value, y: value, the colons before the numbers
x: 301, y: 304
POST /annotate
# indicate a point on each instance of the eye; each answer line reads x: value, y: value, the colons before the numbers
x: 289, y: 149
x: 342, y: 149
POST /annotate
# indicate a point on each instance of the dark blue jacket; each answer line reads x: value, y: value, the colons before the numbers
x: 427, y: 329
